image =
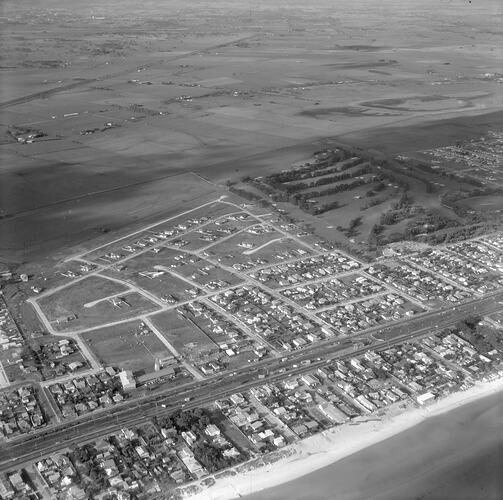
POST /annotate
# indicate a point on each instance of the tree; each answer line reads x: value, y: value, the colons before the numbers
x: 204, y: 421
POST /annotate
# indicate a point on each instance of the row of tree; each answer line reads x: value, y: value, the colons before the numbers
x: 293, y: 188
x: 328, y: 158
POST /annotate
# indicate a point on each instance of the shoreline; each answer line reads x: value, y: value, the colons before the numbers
x: 330, y: 446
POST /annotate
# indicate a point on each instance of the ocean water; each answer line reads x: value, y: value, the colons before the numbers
x: 454, y: 456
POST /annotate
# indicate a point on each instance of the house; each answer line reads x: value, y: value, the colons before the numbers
x: 109, y: 467
x: 141, y: 451
x: 6, y: 490
x: 17, y: 482
x: 332, y: 413
x: 280, y: 411
x: 309, y: 380
x: 365, y: 403
x: 255, y: 426
x: 278, y: 441
x: 231, y: 453
x: 299, y: 429
x: 290, y: 384
x: 178, y: 476
x: 311, y: 425
x: 111, y: 371
x: 425, y: 398
x: 76, y: 493
x: 189, y: 437
x: 266, y: 434
x: 212, y: 430
x: 192, y: 465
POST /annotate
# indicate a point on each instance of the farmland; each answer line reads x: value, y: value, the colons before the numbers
x: 121, y: 116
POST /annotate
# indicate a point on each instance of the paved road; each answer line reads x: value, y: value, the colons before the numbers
x: 203, y: 392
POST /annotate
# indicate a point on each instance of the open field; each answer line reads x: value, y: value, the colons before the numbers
x: 126, y: 347
x: 418, y: 135
x: 121, y: 110
x: 74, y: 297
x: 91, y: 302
x: 483, y: 203
x: 52, y: 225
x: 183, y: 335
x: 130, y: 305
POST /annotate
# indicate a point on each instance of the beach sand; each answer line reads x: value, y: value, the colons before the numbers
x: 334, y: 445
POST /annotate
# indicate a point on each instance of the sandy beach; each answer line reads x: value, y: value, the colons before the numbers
x: 321, y: 450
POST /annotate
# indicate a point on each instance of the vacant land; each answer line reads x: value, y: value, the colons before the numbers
x: 126, y: 346
x: 50, y: 226
x: 74, y: 297
x: 91, y: 302
x: 142, y: 272
x: 130, y: 305
x: 185, y: 336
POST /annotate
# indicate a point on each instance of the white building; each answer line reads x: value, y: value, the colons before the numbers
x: 127, y: 380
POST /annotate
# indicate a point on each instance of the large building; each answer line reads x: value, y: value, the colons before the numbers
x: 127, y: 380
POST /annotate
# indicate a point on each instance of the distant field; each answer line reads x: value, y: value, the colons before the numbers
x: 125, y: 111
x: 122, y: 347
x: 44, y: 227
x: 420, y: 135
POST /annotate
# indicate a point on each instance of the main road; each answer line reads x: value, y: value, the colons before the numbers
x: 17, y: 452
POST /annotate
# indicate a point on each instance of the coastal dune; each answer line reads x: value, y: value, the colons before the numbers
x: 422, y: 453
